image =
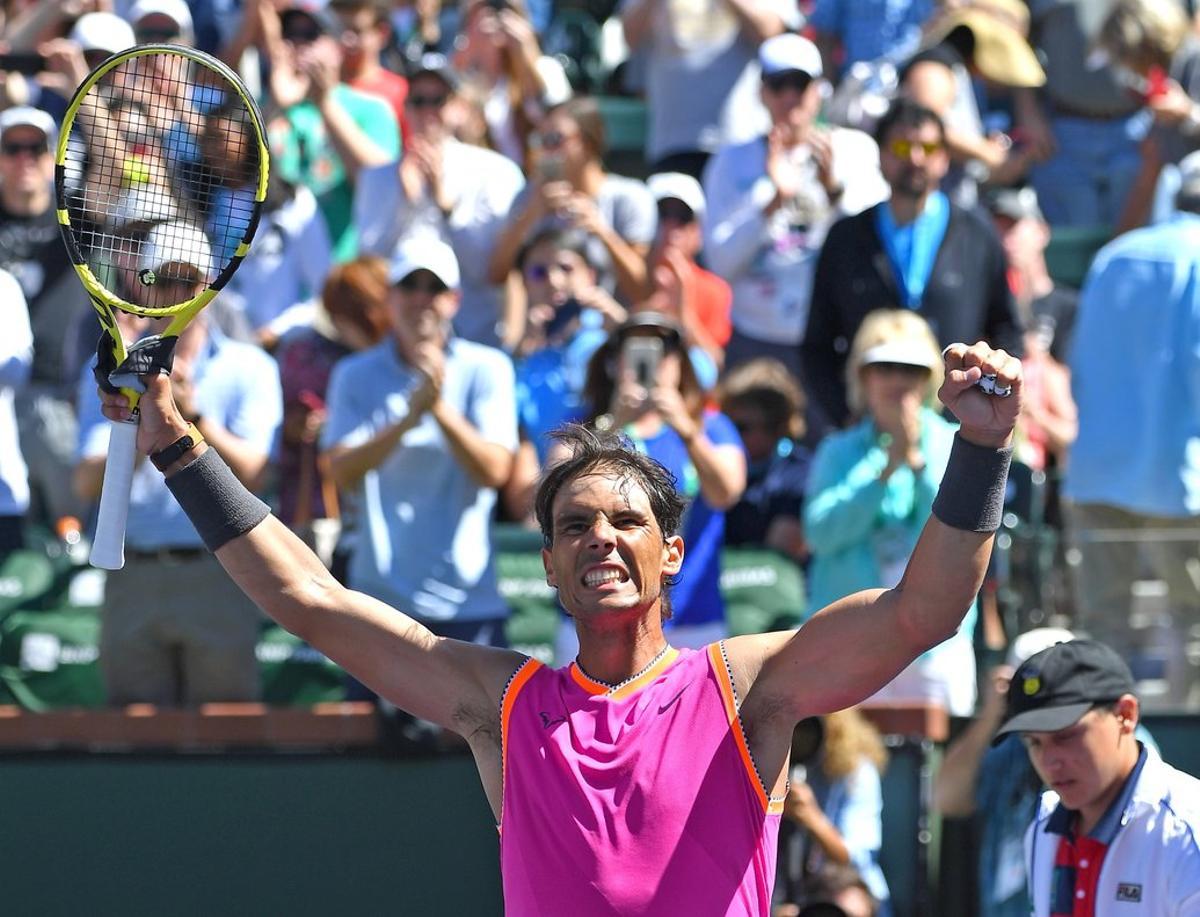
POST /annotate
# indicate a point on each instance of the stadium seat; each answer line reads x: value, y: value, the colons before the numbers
x: 293, y: 673
x: 763, y: 591
x: 27, y: 578
x: 1071, y: 249
x: 534, y: 617
x: 49, y: 659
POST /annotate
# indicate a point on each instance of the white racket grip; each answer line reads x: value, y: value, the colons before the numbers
x: 108, y: 547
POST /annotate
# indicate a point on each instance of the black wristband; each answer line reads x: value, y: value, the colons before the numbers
x: 165, y: 458
x: 217, y: 503
x: 971, y: 496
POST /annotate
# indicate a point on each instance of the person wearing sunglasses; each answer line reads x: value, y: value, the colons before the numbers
x: 703, y: 298
x: 568, y: 317
x: 871, y: 487
x: 421, y: 428
x: 58, y: 306
x: 444, y: 189
x: 700, y: 73
x: 772, y: 199
x: 918, y: 250
x: 572, y: 188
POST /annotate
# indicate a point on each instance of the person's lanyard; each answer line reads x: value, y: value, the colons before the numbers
x: 912, y: 249
x: 689, y: 481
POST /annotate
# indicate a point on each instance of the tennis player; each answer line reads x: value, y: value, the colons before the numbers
x: 639, y: 779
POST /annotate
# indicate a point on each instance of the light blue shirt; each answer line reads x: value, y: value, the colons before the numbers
x: 16, y: 362
x: 871, y: 29
x: 237, y: 385
x: 1135, y: 374
x: 424, y: 530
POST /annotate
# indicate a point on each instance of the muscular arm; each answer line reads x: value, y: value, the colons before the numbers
x: 457, y: 685
x: 855, y: 646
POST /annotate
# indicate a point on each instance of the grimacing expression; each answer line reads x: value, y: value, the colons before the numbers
x: 608, y: 558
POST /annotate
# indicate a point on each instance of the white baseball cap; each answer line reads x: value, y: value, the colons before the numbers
x: 789, y: 52
x: 679, y: 186
x: 1034, y: 641
x: 177, y: 242
x: 904, y: 352
x: 425, y: 253
x: 28, y: 116
x: 102, y: 32
x: 175, y: 10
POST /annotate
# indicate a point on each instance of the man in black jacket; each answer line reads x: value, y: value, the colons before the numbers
x: 916, y: 251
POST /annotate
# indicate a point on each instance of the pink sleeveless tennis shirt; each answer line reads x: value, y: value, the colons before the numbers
x: 638, y: 801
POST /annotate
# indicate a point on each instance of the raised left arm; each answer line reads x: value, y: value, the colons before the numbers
x: 855, y: 646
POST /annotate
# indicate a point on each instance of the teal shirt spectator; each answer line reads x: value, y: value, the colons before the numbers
x: 860, y: 528
x: 1136, y: 379
x: 303, y: 154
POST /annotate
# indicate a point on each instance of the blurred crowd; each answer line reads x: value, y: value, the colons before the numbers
x: 450, y: 265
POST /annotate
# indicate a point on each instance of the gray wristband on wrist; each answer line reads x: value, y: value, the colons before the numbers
x: 217, y: 503
x: 971, y: 496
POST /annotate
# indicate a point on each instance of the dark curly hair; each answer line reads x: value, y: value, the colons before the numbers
x: 600, y: 450
x: 593, y: 450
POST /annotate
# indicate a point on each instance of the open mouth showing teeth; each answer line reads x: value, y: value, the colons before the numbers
x: 599, y: 577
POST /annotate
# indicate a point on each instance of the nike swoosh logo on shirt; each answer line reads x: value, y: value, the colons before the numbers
x: 667, y: 706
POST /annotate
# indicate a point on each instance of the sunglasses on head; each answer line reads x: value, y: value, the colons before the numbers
x: 787, y: 79
x: 433, y: 102
x: 416, y: 284
x: 903, y: 148
x: 675, y: 212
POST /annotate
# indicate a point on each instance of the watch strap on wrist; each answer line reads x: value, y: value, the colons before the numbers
x: 165, y: 458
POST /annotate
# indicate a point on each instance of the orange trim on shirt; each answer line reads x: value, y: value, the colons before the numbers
x: 646, y: 677
x: 527, y: 670
x: 717, y: 659
x: 596, y: 688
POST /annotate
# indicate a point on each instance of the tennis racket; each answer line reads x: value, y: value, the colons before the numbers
x: 160, y: 174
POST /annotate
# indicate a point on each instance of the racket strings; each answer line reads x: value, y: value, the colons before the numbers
x: 165, y: 160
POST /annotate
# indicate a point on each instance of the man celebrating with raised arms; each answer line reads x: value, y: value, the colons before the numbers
x: 639, y: 779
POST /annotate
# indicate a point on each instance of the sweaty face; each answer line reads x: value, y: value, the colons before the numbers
x: 1081, y: 763
x: 608, y: 557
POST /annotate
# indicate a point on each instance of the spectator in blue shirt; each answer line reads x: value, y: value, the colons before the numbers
x: 849, y: 31
x: 422, y: 429
x: 1135, y: 375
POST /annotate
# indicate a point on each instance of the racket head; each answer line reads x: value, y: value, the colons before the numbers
x: 161, y: 171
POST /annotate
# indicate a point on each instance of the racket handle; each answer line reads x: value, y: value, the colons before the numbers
x: 108, y: 547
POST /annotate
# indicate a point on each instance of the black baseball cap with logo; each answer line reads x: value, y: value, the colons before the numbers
x: 1054, y: 688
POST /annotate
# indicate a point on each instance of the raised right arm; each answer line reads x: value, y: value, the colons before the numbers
x: 455, y: 684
